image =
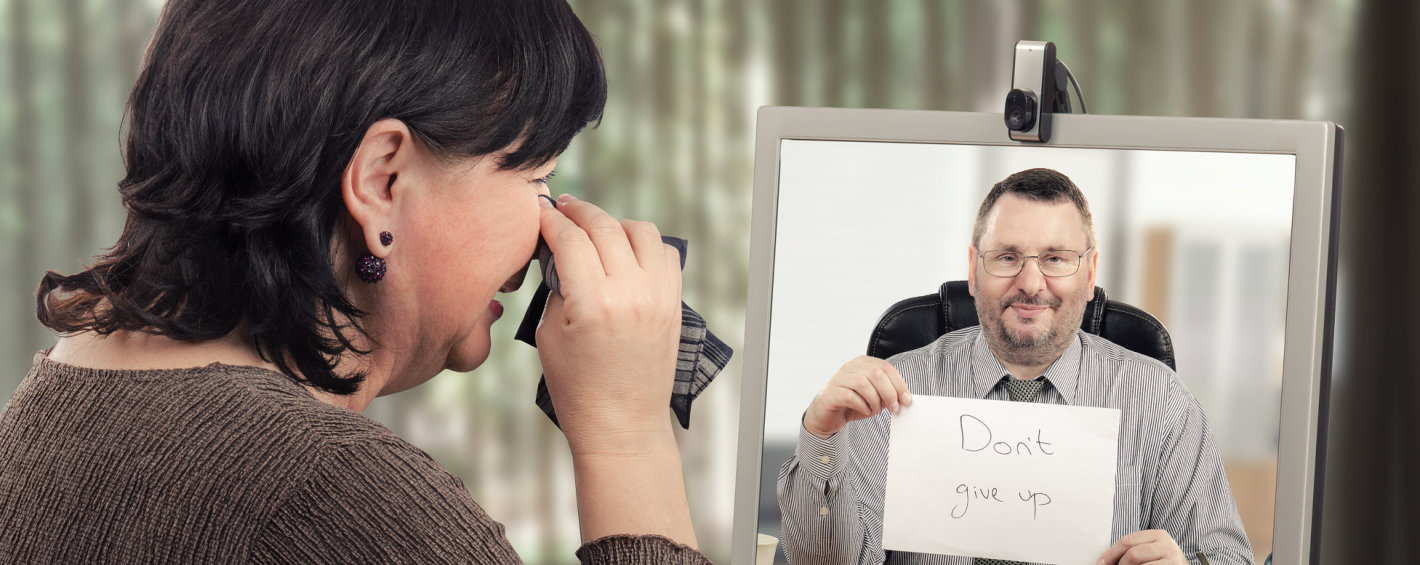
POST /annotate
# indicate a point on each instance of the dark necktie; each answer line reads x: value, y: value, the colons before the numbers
x: 1020, y: 391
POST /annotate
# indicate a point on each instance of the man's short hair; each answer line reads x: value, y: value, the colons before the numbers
x: 1038, y: 185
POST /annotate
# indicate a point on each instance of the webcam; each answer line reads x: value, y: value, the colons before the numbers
x: 1038, y: 89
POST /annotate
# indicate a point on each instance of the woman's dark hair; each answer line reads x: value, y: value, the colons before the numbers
x: 245, y: 116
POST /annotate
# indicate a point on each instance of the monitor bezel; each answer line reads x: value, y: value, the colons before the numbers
x: 1311, y: 274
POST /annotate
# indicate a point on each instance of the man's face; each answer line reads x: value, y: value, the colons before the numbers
x: 1030, y: 318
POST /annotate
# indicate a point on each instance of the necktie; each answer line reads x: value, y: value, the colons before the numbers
x: 1020, y: 391
x: 1023, y: 391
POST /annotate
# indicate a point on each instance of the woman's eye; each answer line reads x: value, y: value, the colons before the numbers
x: 549, y: 176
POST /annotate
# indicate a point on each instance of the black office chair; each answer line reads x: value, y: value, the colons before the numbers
x: 918, y: 321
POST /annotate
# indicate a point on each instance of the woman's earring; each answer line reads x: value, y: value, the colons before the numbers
x: 371, y: 268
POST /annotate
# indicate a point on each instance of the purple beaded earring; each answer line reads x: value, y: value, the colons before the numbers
x: 371, y: 268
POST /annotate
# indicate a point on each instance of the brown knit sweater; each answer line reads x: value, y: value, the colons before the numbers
x: 224, y: 464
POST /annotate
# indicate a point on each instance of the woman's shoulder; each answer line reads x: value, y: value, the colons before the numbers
x: 279, y: 401
x: 365, y: 489
x: 216, y: 411
x: 129, y: 453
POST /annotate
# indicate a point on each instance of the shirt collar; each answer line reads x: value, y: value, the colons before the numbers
x: 987, y: 370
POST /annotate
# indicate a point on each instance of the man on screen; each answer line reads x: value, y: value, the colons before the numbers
x: 1032, y: 270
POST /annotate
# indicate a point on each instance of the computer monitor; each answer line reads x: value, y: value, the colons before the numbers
x: 1224, y: 229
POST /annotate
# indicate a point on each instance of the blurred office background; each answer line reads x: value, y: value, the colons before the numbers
x: 676, y: 148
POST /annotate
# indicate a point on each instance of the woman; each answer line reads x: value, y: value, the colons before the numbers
x: 322, y: 201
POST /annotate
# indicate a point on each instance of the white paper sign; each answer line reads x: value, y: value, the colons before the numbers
x: 1003, y: 480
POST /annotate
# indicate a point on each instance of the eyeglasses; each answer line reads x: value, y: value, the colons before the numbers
x: 1057, y: 263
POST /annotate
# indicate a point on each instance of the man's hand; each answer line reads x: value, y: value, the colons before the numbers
x: 1154, y: 547
x: 860, y: 389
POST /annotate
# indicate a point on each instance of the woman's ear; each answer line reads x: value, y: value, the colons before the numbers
x: 368, y: 185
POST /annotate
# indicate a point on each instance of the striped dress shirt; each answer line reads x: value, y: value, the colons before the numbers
x: 1169, y: 473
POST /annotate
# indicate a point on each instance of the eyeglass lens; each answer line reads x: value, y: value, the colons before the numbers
x: 1052, y: 263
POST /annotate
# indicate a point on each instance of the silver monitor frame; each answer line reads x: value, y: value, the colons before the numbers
x: 1311, y: 272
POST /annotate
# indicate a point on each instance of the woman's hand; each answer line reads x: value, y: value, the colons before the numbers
x: 608, y: 347
x: 608, y: 344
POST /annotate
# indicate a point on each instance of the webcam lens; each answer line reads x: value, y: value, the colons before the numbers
x: 1020, y: 110
x: 1015, y: 119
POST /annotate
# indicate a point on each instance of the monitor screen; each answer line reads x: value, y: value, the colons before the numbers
x: 1221, y: 229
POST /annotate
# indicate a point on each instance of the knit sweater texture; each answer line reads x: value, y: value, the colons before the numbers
x: 228, y: 464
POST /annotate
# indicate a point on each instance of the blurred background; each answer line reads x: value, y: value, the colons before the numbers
x: 676, y: 148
